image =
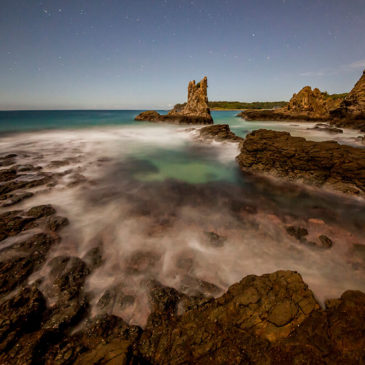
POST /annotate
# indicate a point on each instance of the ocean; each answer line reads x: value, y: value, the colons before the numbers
x: 155, y: 198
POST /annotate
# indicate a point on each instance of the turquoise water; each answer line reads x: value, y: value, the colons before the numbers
x: 153, y: 186
x: 20, y: 121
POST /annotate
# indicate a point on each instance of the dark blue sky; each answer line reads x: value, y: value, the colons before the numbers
x: 142, y: 53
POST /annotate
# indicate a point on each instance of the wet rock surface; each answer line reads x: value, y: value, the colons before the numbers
x: 218, y: 132
x: 268, y: 319
x: 327, y: 164
x: 326, y: 128
x: 16, y: 179
x: 195, y: 111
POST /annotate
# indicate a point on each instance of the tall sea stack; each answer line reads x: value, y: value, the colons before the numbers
x: 195, y: 111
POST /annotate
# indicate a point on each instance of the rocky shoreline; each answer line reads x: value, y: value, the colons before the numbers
x: 276, y: 154
x: 322, y: 164
x: 315, y: 106
x: 268, y: 319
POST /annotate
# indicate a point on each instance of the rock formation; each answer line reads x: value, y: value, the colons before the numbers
x: 195, y: 111
x: 313, y: 105
x: 307, y: 105
x: 268, y: 319
x: 351, y: 112
x: 328, y: 164
x: 218, y: 132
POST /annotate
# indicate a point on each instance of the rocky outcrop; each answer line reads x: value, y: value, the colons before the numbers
x: 268, y: 319
x: 314, y: 105
x: 351, y: 112
x: 307, y: 105
x: 195, y: 111
x: 328, y: 164
x: 218, y: 132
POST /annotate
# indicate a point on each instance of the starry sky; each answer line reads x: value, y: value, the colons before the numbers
x: 140, y: 54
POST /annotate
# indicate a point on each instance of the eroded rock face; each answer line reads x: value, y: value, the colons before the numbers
x: 307, y: 105
x: 326, y: 164
x: 313, y: 105
x: 260, y: 320
x: 195, y: 111
x: 197, y: 104
x: 351, y: 112
x: 268, y: 319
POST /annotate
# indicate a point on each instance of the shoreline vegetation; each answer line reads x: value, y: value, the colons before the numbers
x: 267, y: 105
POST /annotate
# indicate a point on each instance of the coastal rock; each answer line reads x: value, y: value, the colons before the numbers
x: 342, y: 110
x: 14, y: 222
x: 351, y: 112
x: 307, y: 105
x: 218, y: 132
x: 326, y: 128
x: 10, y: 199
x: 106, y: 339
x: 20, y: 314
x: 55, y: 223
x: 333, y: 336
x: 151, y: 116
x: 326, y: 164
x: 238, y: 326
x: 21, y: 259
x: 195, y: 111
x: 268, y: 319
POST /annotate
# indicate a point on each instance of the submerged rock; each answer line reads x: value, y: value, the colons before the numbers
x: 14, y: 198
x: 326, y: 128
x: 298, y: 232
x: 195, y: 111
x: 327, y: 164
x: 219, y: 132
x: 325, y: 241
x: 55, y: 223
x: 21, y: 259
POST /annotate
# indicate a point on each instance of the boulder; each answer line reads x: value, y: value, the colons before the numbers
x: 218, y: 132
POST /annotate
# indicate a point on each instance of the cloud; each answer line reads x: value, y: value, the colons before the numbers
x: 312, y: 73
x: 360, y: 64
x: 357, y: 64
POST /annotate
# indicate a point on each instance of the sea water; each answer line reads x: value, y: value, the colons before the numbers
x: 152, y: 194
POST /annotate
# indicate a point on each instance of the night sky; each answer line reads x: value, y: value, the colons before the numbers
x: 131, y: 54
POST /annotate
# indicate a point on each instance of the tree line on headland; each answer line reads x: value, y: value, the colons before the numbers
x: 256, y: 104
